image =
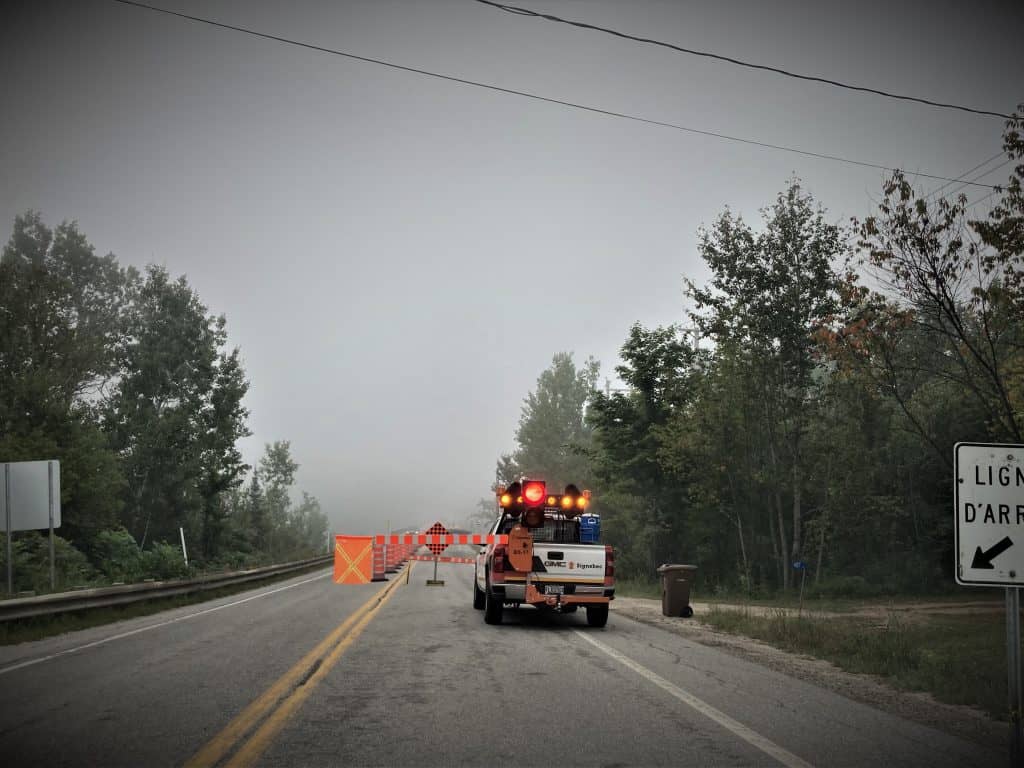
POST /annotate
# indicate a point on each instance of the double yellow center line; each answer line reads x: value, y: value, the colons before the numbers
x: 269, y: 712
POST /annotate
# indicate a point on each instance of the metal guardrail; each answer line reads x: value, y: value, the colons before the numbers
x: 106, y: 597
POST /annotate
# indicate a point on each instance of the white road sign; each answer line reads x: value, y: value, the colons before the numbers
x: 989, y: 514
x: 30, y: 486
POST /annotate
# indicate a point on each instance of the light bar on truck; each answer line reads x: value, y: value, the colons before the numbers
x: 532, y: 495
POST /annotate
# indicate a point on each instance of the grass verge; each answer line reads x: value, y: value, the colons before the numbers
x: 958, y: 659
x: 638, y: 588
x: 38, y: 627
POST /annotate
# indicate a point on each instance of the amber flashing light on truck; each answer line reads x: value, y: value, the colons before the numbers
x: 531, y: 497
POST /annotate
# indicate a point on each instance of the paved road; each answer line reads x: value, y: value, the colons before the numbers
x: 420, y: 680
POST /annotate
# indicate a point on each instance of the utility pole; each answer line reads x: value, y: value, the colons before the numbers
x: 696, y: 336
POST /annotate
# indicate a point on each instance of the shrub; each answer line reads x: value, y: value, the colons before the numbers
x: 118, y: 556
x: 164, y: 561
x: 234, y: 560
x: 31, y: 567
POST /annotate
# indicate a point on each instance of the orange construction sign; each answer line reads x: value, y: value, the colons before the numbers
x: 520, y: 549
x: 353, y: 559
x: 437, y: 529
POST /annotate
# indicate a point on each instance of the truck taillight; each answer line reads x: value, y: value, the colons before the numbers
x: 609, y: 562
x: 498, y: 561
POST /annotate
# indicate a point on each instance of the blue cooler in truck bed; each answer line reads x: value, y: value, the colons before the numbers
x: 590, y: 529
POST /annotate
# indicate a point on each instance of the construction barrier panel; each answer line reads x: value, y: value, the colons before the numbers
x: 378, y: 563
x: 430, y: 559
x: 392, y: 557
x: 420, y: 539
x: 353, y: 559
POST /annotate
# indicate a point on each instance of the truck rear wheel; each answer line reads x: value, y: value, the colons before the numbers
x: 493, y: 608
x: 597, y: 615
x: 478, y: 597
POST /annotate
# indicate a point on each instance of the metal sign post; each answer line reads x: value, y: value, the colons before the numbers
x: 801, y: 566
x: 989, y: 528
x: 49, y: 497
x: 1013, y: 672
x: 436, y: 547
x: 7, y: 508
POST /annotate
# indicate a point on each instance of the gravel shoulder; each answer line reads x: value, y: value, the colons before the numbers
x: 965, y: 722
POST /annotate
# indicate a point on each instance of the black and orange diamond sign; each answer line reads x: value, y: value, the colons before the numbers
x: 437, y: 547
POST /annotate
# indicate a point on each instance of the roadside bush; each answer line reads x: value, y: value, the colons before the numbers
x: 118, y: 556
x: 164, y: 561
x: 912, y: 574
x: 238, y: 561
x: 31, y: 563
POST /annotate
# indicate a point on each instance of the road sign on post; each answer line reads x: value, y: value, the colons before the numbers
x: 989, y: 509
x: 436, y: 547
x: 30, y: 500
x: 989, y: 514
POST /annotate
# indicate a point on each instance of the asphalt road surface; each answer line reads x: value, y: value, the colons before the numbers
x: 308, y: 673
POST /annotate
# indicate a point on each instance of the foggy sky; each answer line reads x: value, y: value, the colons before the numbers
x: 400, y: 257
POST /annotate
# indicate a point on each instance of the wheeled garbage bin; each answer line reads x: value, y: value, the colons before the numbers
x: 675, y: 589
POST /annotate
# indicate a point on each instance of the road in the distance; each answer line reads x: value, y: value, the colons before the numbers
x: 428, y: 683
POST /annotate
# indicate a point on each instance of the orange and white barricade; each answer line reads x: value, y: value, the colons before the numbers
x: 379, y: 566
x: 353, y: 559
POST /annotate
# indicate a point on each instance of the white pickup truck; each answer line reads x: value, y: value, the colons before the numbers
x: 565, y: 574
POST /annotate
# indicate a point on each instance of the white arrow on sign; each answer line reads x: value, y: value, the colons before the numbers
x: 989, y: 509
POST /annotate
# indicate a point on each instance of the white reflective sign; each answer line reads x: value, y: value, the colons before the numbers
x: 989, y: 514
x: 27, y: 485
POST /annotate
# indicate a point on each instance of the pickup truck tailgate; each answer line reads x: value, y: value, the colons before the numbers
x: 568, y: 562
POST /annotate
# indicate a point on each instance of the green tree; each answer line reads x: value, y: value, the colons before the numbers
x: 309, y: 524
x: 175, y: 413
x: 60, y: 324
x: 277, y: 470
x: 256, y: 507
x: 953, y: 303
x: 770, y: 292
x: 553, y: 436
x: 714, y: 447
x: 223, y: 422
x: 644, y: 506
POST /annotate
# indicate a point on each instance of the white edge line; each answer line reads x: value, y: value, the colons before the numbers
x: 747, y: 734
x: 148, y: 627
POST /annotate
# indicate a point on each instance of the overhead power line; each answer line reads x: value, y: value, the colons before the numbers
x: 981, y: 176
x: 537, y: 97
x: 739, y: 62
x: 967, y: 173
x: 981, y: 200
